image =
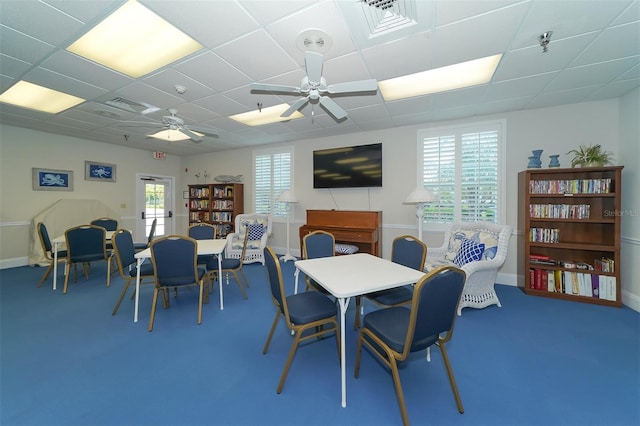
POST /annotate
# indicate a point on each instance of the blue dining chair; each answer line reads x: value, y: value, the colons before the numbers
x: 152, y: 234
x: 230, y: 266
x: 124, y: 253
x: 392, y: 334
x: 174, y: 260
x: 317, y: 244
x: 203, y: 231
x: 47, y: 249
x: 106, y: 222
x: 305, y: 314
x: 85, y: 244
x: 408, y: 251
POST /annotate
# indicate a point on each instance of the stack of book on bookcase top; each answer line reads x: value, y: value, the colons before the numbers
x: 570, y: 245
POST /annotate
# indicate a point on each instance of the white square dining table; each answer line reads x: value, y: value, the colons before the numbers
x: 203, y: 247
x: 354, y: 275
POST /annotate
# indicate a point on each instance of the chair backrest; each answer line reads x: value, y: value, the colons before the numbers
x: 318, y: 244
x: 106, y: 222
x: 276, y: 285
x: 152, y: 231
x: 174, y: 259
x: 86, y: 242
x: 433, y: 307
x: 124, y: 249
x: 202, y: 231
x: 409, y: 251
x: 256, y: 223
x: 45, y: 241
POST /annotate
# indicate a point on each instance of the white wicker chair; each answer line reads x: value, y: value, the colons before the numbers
x: 255, y: 247
x: 479, y: 289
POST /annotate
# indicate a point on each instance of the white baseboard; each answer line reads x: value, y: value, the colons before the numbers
x: 14, y: 263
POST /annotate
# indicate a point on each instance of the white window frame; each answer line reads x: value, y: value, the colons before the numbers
x: 500, y: 126
x: 278, y: 210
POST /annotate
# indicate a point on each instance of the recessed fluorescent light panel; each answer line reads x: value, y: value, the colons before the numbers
x: 134, y: 41
x: 266, y: 116
x: 173, y: 135
x: 32, y: 96
x: 465, y: 74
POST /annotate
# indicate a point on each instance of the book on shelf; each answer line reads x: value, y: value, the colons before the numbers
x: 551, y: 281
x: 537, y: 256
x: 604, y: 265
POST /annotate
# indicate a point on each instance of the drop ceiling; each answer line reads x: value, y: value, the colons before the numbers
x: 594, y: 54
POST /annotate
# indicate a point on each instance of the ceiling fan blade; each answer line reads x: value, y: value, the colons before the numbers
x: 204, y: 130
x: 333, y: 108
x: 313, y: 62
x: 274, y: 88
x: 296, y: 106
x: 193, y: 136
x: 353, y: 86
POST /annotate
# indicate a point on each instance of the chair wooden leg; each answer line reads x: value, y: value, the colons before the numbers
x: 244, y: 293
x: 109, y: 271
x: 200, y: 302
x: 153, y: 308
x: 292, y: 352
x: 399, y: 393
x: 273, y: 328
x: 452, y: 380
x: 46, y: 275
x: 124, y: 291
x: 67, y: 268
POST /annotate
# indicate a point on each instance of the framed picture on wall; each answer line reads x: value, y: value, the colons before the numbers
x: 103, y: 172
x: 52, y: 179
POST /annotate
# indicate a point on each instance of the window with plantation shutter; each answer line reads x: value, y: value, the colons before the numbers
x: 463, y: 167
x: 273, y: 173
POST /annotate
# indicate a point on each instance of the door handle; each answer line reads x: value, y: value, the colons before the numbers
x: 170, y: 213
x: 142, y: 215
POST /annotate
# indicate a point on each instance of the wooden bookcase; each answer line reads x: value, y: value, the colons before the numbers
x: 217, y: 204
x: 570, y: 247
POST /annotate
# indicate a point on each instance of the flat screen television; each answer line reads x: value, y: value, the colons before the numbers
x: 348, y: 167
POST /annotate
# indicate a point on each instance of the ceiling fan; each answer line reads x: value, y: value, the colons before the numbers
x: 314, y: 88
x: 173, y: 122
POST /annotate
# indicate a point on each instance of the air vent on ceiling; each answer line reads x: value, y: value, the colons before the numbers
x: 131, y: 106
x: 385, y: 16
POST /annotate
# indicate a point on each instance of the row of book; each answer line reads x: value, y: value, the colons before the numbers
x: 574, y: 283
x: 544, y: 235
x: 223, y: 204
x: 199, y: 193
x: 604, y: 264
x: 199, y: 204
x: 560, y: 211
x: 570, y: 186
x: 223, y: 191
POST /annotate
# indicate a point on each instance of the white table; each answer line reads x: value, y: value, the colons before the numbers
x: 56, y: 243
x: 354, y: 275
x: 204, y: 247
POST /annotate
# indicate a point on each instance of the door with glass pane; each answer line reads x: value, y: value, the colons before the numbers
x: 154, y: 201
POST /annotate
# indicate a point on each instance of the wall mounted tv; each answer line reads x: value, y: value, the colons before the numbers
x: 348, y: 167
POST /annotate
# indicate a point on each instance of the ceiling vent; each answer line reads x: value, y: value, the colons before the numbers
x: 131, y: 106
x: 384, y: 16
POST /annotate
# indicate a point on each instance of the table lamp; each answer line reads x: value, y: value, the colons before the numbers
x: 288, y: 197
x: 419, y: 197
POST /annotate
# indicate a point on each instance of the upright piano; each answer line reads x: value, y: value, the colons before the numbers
x: 359, y: 228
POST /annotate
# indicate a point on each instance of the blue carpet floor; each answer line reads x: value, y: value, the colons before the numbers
x: 65, y: 360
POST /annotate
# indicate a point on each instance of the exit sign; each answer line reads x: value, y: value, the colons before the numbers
x: 159, y: 155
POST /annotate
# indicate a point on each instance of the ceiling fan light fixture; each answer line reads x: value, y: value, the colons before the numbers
x: 173, y: 135
x: 266, y: 115
x: 39, y: 98
x: 315, y: 40
x: 451, y: 77
x: 135, y: 41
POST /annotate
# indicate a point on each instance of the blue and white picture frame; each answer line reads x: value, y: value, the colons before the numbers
x: 103, y: 172
x: 52, y: 180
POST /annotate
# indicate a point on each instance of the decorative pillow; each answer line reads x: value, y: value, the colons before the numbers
x: 489, y: 239
x: 346, y: 249
x: 469, y: 251
x: 256, y: 231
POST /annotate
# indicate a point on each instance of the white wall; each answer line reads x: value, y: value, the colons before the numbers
x: 556, y: 130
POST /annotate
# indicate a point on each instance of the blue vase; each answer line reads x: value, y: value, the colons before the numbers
x: 553, y: 161
x: 534, y: 160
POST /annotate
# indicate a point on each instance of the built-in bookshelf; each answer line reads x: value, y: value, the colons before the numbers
x: 217, y: 204
x: 570, y: 244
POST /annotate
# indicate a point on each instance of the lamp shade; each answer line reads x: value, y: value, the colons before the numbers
x: 420, y: 195
x: 288, y: 196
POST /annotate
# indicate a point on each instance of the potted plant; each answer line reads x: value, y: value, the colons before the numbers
x: 590, y: 156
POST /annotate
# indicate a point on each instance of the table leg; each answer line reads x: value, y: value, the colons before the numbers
x: 344, y: 304
x: 295, y: 275
x: 220, y: 280
x: 55, y: 264
x: 137, y: 298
